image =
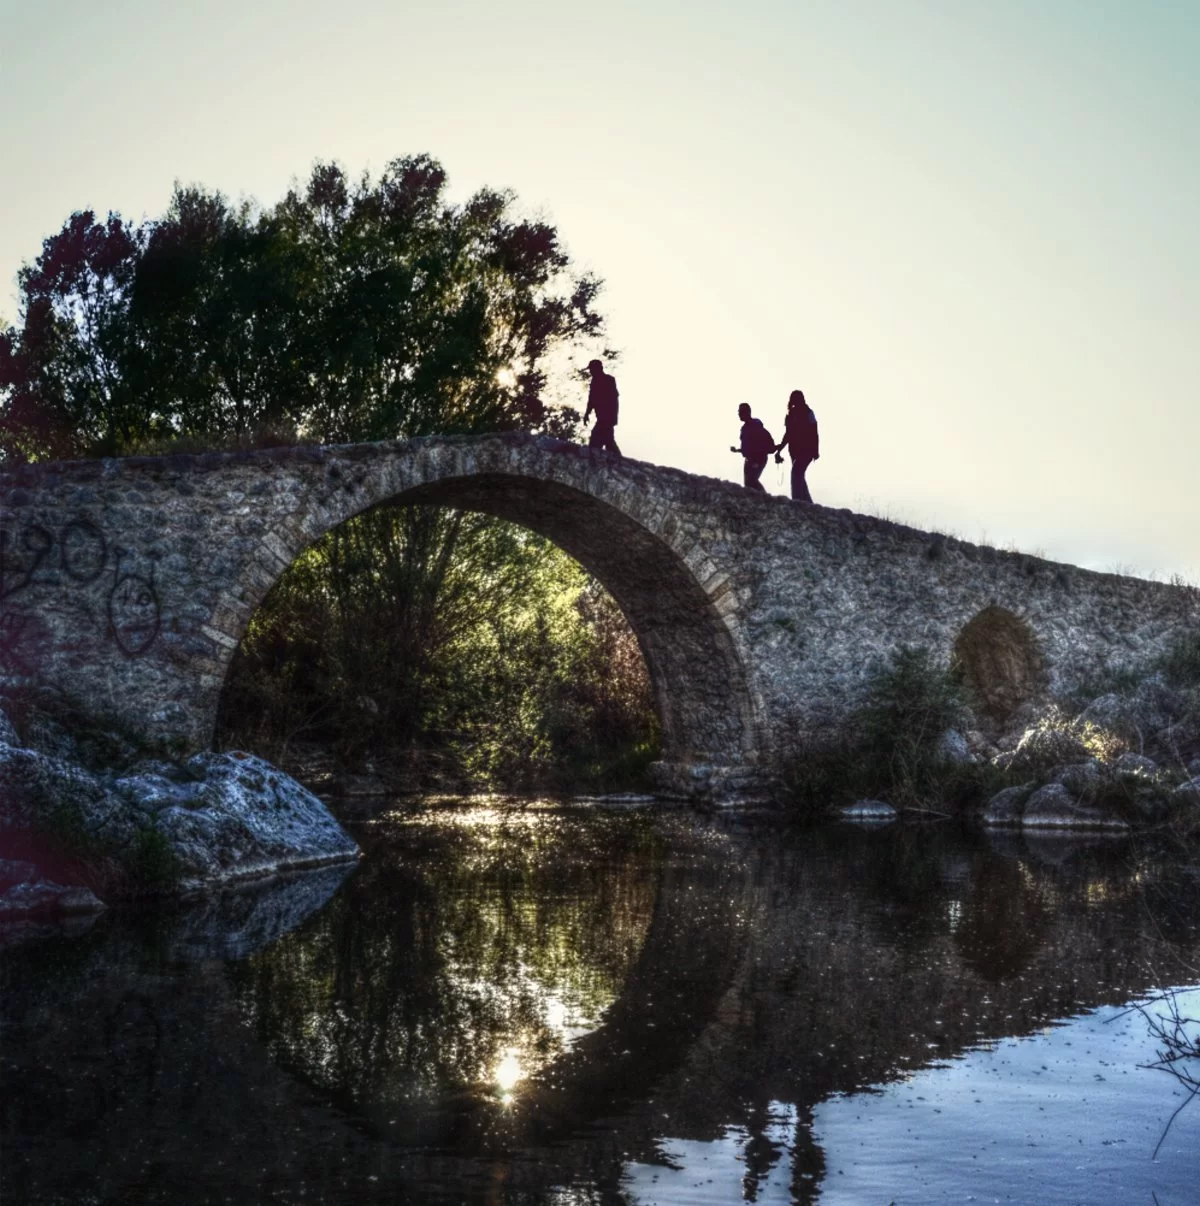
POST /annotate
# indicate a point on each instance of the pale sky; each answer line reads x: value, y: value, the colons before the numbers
x: 969, y: 230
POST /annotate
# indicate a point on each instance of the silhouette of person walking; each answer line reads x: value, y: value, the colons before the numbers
x: 603, y: 399
x: 802, y: 441
x: 757, y: 445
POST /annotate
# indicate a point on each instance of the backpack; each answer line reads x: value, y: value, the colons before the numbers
x: 762, y: 443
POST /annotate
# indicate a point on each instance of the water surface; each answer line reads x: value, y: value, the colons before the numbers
x: 530, y: 1003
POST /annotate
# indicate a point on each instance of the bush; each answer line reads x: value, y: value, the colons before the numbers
x: 65, y: 847
x: 910, y: 701
x: 892, y: 746
x: 151, y: 865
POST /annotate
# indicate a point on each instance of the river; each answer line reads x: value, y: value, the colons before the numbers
x: 572, y: 1005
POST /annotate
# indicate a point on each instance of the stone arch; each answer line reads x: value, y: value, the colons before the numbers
x: 1000, y: 662
x: 672, y: 599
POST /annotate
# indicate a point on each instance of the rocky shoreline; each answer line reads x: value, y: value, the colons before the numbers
x: 76, y: 838
x: 1125, y: 760
x: 81, y: 829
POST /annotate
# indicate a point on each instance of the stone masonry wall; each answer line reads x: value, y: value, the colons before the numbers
x: 127, y: 584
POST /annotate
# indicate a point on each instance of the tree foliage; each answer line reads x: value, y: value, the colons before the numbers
x: 349, y: 310
x: 501, y: 663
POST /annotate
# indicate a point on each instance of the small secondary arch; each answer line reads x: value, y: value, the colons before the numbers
x: 1000, y: 661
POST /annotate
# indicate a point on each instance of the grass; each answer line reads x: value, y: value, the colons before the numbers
x: 1180, y: 665
x: 268, y: 435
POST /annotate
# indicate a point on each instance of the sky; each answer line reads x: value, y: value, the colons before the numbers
x: 969, y: 230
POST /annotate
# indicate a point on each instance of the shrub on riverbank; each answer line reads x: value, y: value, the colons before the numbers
x: 142, y: 865
x: 897, y: 746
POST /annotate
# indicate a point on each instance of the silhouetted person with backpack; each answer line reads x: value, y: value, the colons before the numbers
x: 802, y: 441
x: 757, y: 445
x: 604, y: 400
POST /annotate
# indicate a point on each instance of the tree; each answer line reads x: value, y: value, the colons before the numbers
x: 345, y: 312
x: 65, y: 379
x: 349, y: 310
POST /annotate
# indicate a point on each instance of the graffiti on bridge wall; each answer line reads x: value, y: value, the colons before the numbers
x: 83, y: 553
x: 134, y: 612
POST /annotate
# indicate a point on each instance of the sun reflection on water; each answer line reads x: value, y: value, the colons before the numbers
x: 508, y: 1074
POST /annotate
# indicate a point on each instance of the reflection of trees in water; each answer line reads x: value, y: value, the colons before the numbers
x: 1001, y: 921
x: 817, y: 965
x: 456, y: 945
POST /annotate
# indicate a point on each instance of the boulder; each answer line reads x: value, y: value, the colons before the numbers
x: 35, y: 787
x: 1156, y: 704
x: 871, y: 812
x: 1151, y: 801
x: 1188, y: 793
x: 25, y: 894
x: 220, y: 818
x: 148, y: 792
x: 1151, y: 706
x: 1052, y: 806
x: 1048, y: 745
x: 1005, y: 807
x: 1105, y: 712
x: 1081, y: 779
x: 239, y: 817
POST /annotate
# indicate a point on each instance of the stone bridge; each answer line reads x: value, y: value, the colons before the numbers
x: 126, y: 585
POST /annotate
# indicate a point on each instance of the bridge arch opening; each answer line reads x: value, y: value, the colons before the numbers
x: 1001, y: 665
x: 696, y: 675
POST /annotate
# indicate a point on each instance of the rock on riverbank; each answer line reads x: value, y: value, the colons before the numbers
x: 175, y: 827
x: 1127, y: 759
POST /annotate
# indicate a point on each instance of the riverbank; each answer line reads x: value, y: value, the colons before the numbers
x: 1121, y: 753
x: 78, y: 836
x: 88, y: 818
x: 392, y: 772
